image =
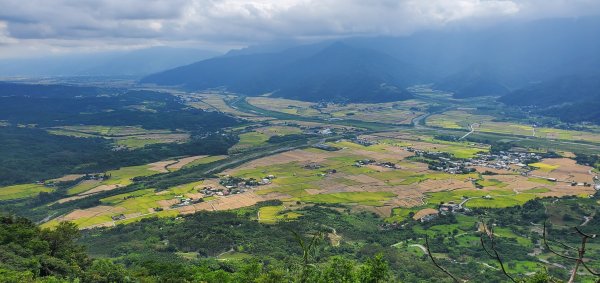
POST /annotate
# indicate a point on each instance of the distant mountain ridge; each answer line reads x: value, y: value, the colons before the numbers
x: 471, y: 83
x: 571, y: 98
x: 312, y: 73
x: 493, y: 61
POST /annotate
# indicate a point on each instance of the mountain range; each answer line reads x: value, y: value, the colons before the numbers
x: 335, y: 72
x: 494, y: 61
x: 570, y: 98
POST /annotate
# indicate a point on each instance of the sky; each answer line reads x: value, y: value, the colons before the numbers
x: 38, y: 27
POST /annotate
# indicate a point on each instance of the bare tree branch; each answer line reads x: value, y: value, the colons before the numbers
x: 584, y: 234
x: 545, y: 236
x: 564, y: 245
x: 579, y: 260
x: 493, y: 247
x: 436, y: 264
x: 595, y: 273
x: 306, y: 251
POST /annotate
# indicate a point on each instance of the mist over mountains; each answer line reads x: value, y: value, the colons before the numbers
x: 493, y: 61
x: 134, y: 63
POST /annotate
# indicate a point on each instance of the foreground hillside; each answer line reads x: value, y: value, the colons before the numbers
x: 325, y: 245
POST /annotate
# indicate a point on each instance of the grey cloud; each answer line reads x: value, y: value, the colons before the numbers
x: 230, y: 22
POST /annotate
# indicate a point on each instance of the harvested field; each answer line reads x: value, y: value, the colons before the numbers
x: 285, y: 105
x: 563, y: 169
x: 216, y: 102
x: 285, y: 157
x: 67, y: 178
x: 365, y: 179
x: 68, y: 199
x: 517, y: 182
x: 161, y: 166
x: 424, y: 212
x: 101, y: 188
x: 167, y: 203
x: 383, y: 211
x: 561, y: 190
x: 278, y: 130
x: 407, y: 202
x: 90, y: 212
x: 183, y: 162
x: 441, y: 185
x: 225, y: 203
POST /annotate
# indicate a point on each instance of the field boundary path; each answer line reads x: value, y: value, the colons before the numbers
x: 470, y: 132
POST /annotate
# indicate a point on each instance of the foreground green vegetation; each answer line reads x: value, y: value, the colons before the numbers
x: 316, y: 244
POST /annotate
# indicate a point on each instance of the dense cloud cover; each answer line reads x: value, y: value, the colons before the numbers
x: 37, y: 26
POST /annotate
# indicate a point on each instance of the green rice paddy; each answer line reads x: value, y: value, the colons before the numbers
x: 22, y: 191
x: 491, y: 183
x: 544, y: 167
x: 122, y: 177
x: 205, y: 160
x: 364, y: 198
x: 273, y: 214
x: 250, y: 139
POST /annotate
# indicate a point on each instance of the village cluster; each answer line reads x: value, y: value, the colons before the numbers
x: 232, y: 186
x: 503, y: 160
x: 364, y: 162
